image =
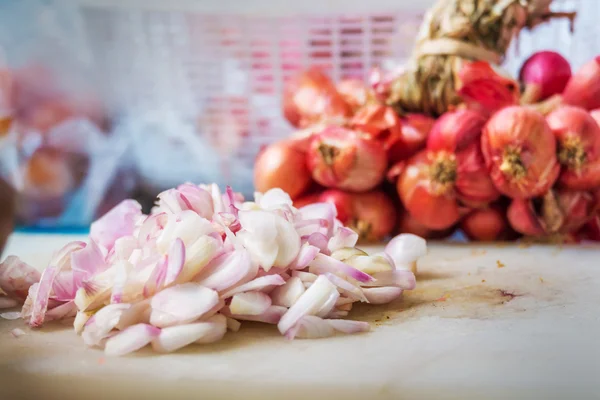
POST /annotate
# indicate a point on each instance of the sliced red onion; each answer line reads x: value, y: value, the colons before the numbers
x: 157, y: 278
x: 131, y: 339
x: 343, y: 237
x: 41, y: 297
x: 382, y: 295
x: 171, y: 201
x: 227, y: 270
x: 125, y: 246
x: 181, y: 304
x: 258, y: 284
x: 176, y: 260
x: 325, y: 211
x: 344, y: 307
x: 344, y: 300
x: 338, y: 314
x: 11, y: 315
x: 271, y: 316
x: 118, y: 222
x: 305, y: 256
x: 370, y: 264
x: 273, y: 199
x: 250, y: 303
x: 7, y: 302
x: 310, y: 327
x: 311, y: 301
x: 406, y: 249
x: 401, y: 278
x: 123, y: 269
x: 320, y: 241
x: 62, y: 257
x: 328, y: 305
x: 89, y: 260
x: 152, y: 227
x: 63, y: 311
x: 65, y: 285
x: 198, y: 255
x: 137, y: 313
x: 233, y: 324
x: 348, y: 288
x: 218, y: 329
x: 81, y: 318
x: 187, y: 226
x: 177, y: 337
x: 287, y: 294
x: 197, y: 199
x: 305, y: 276
x: 348, y: 326
x: 16, y: 277
x: 100, y: 325
x: 323, y: 263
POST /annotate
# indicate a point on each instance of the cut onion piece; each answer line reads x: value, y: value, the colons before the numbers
x: 250, y: 303
x: 156, y: 279
x: 176, y: 260
x: 138, y: 313
x: 122, y: 270
x: 6, y: 302
x: 218, y: 329
x: 405, y: 250
x: 88, y: 259
x: 287, y: 294
x: 198, y: 255
x: 371, y: 264
x: 41, y: 297
x: 382, y: 295
x: 328, y: 305
x: 305, y: 276
x: 311, y: 301
x: 118, y: 222
x: 401, y: 278
x: 131, y: 339
x: 181, y: 304
x: 273, y: 199
x: 347, y: 288
x: 305, y: 256
x: 99, y: 326
x: 258, y: 284
x: 11, y: 315
x: 320, y: 241
x: 124, y: 247
x: 63, y: 311
x: 81, y: 318
x: 317, y: 211
x: 227, y: 270
x: 343, y: 237
x: 233, y: 324
x: 177, y: 337
x: 310, y: 327
x: 348, y: 326
x: 271, y: 316
x: 16, y: 277
x: 323, y: 263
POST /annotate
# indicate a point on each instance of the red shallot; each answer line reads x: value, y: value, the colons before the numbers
x: 411, y: 137
x: 355, y: 92
x: 487, y: 224
x: 204, y: 260
x: 583, y: 89
x: 282, y: 165
x: 578, y: 138
x: 344, y: 159
x: 520, y: 152
x: 544, y: 74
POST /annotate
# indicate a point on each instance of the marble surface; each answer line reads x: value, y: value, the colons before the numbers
x: 486, y: 321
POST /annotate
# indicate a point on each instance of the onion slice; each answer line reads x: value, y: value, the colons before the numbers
x: 250, y: 303
x: 323, y: 263
x: 131, y: 339
x: 181, y: 304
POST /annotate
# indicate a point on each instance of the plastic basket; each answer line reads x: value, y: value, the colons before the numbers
x: 196, y: 85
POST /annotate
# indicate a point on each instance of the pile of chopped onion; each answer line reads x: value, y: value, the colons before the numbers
x: 203, y: 261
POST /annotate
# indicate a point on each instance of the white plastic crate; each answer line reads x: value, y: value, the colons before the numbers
x: 197, y: 84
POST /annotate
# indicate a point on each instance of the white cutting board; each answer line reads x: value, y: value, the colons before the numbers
x: 460, y: 335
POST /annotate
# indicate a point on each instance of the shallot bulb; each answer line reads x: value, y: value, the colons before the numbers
x: 484, y: 89
x: 342, y: 202
x: 410, y: 139
x: 344, y: 159
x: 558, y: 211
x: 355, y: 92
x: 520, y: 152
x: 453, y: 144
x: 583, y: 89
x: 311, y: 97
x: 377, y: 120
x: 578, y: 137
x: 487, y: 224
x: 544, y: 74
x: 282, y: 165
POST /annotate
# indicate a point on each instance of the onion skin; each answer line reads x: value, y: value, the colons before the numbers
x: 520, y: 152
x: 407, y: 224
x: 578, y: 138
x: 411, y: 138
x: 544, y: 74
x: 432, y: 205
x: 487, y: 224
x: 282, y: 165
x: 311, y: 97
x: 583, y: 89
x: 557, y: 212
x: 343, y: 159
x: 455, y: 139
x: 484, y: 90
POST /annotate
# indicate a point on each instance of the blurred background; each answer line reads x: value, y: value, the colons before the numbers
x: 102, y: 100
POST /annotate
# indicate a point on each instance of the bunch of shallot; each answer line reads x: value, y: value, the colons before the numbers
x: 203, y: 261
x: 500, y: 165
